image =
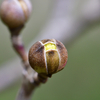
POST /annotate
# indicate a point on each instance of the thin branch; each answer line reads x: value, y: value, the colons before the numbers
x: 31, y: 78
x: 28, y: 87
x: 18, y: 46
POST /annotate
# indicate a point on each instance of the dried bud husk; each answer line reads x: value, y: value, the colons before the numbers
x: 15, y: 13
x: 48, y: 56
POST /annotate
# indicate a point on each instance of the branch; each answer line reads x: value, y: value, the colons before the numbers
x: 31, y: 78
x: 28, y: 87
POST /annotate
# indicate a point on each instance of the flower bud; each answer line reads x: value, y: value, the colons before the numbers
x: 48, y: 56
x: 15, y: 13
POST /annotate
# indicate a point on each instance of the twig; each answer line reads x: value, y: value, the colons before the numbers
x: 18, y: 45
x: 31, y: 78
x: 28, y: 87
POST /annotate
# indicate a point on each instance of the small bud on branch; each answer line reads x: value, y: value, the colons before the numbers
x: 15, y: 13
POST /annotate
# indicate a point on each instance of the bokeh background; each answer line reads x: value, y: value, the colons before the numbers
x: 80, y: 80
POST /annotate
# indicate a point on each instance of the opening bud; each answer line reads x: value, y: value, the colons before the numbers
x: 48, y: 56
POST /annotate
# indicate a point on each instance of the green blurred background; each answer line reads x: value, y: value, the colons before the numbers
x: 80, y: 80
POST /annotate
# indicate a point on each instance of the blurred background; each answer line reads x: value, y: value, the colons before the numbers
x: 76, y: 23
